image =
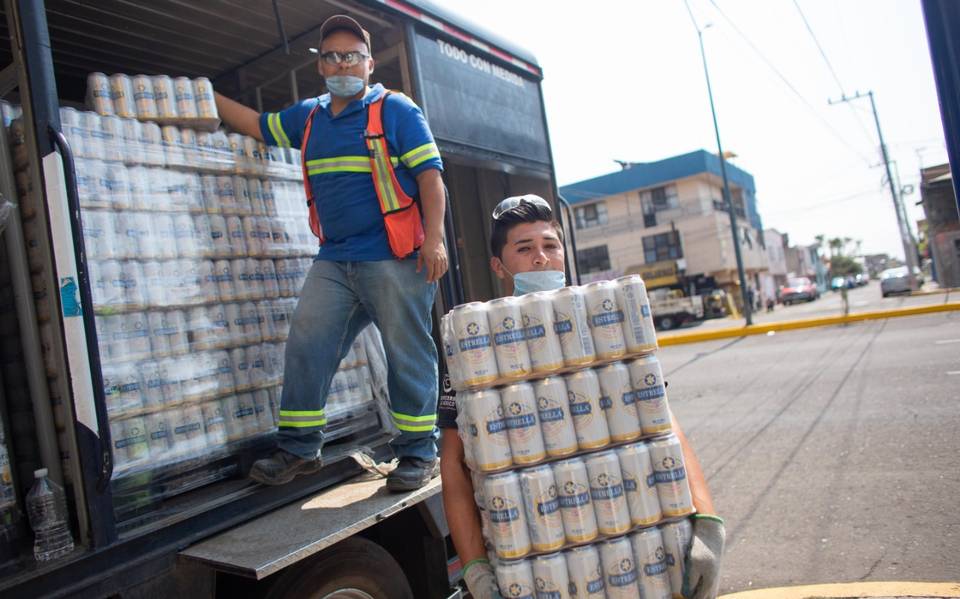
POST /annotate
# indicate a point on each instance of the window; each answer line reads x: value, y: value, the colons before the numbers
x: 592, y: 215
x: 662, y: 246
x: 593, y: 259
x: 656, y: 200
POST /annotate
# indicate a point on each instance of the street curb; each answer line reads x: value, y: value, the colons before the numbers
x: 847, y: 590
x: 806, y: 323
x: 934, y: 291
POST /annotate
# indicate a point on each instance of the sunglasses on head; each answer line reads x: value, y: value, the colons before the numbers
x: 515, y: 202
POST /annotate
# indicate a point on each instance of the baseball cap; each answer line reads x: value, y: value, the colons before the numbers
x: 344, y: 22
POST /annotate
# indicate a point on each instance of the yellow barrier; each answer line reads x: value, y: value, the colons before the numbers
x: 806, y: 323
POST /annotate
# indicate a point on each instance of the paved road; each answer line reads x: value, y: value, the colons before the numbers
x: 862, y: 299
x: 833, y: 453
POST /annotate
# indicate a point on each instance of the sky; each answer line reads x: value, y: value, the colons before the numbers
x: 625, y: 81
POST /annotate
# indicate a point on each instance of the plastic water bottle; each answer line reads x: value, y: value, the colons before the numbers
x: 47, y: 510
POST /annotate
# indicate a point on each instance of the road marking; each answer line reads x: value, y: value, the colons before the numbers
x: 946, y: 341
x: 854, y: 589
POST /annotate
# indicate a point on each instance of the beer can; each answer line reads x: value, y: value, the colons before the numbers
x: 570, y: 323
x: 251, y: 155
x: 271, y: 287
x: 241, y: 196
x: 148, y: 236
x: 117, y: 185
x: 130, y: 448
x: 165, y: 229
x: 511, y: 538
x: 226, y: 286
x: 98, y: 235
x: 241, y: 418
x: 185, y: 231
x: 640, y: 484
x: 219, y: 325
x: 284, y: 276
x: 241, y: 279
x: 241, y: 368
x: 543, y: 343
x: 638, y: 329
x: 607, y: 493
x: 282, y: 240
x: 515, y: 579
x: 523, y: 426
x: 551, y: 577
x: 487, y: 429
x: 172, y: 148
x: 206, y: 103
x: 122, y: 388
x: 269, y: 199
x: 583, y: 394
x: 619, y: 569
x: 265, y: 235
x: 509, y: 345
x: 192, y: 282
x: 226, y: 195
x: 165, y: 97
x: 152, y: 140
x: 651, y: 556
x: 210, y: 194
x: 189, y: 438
x: 556, y: 422
x: 159, y: 436
x: 669, y: 471
x: 153, y: 283
x: 98, y: 93
x: 219, y: 238
x: 651, y: 395
x: 619, y: 402
x: 113, y: 145
x: 472, y: 331
x: 251, y: 322
x: 255, y: 188
x: 169, y: 333
x: 258, y: 365
x: 273, y: 359
x: 93, y: 141
x: 183, y: 96
x: 266, y: 403
x: 576, y: 509
x: 134, y: 294
x: 159, y: 333
x: 201, y: 224
x: 121, y: 92
x: 542, y: 508
x: 153, y: 383
x: 677, y: 537
x: 236, y: 236
x: 585, y: 572
x: 132, y: 137
x: 234, y: 320
x: 235, y: 147
x: 214, y: 424
x: 146, y: 104
x: 100, y: 284
x: 199, y: 328
x: 606, y: 320
x: 451, y: 354
x: 88, y: 184
x: 252, y: 236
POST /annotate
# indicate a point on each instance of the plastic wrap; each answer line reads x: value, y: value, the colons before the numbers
x: 179, y: 101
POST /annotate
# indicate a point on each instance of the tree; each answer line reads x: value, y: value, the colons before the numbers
x: 842, y: 266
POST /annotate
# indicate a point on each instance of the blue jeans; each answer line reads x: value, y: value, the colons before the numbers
x: 339, y: 299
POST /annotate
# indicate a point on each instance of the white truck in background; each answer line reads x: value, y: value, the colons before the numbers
x: 671, y: 309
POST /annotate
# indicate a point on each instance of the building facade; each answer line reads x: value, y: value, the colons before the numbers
x: 776, y: 275
x: 666, y: 220
x: 943, y: 225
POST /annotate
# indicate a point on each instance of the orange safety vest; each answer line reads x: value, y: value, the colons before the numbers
x: 401, y: 214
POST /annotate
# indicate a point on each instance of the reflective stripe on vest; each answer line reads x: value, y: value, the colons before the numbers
x: 401, y: 215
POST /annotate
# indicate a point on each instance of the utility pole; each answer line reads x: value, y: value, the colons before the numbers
x: 727, y: 198
x: 909, y: 254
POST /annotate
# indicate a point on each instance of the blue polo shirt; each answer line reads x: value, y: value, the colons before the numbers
x: 338, y: 165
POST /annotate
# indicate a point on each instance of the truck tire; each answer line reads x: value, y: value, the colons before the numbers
x: 666, y: 323
x: 354, y: 568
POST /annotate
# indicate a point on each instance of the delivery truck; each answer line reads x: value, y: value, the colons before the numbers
x: 142, y: 350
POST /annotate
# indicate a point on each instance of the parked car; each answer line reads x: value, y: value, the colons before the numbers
x: 895, y: 280
x: 798, y: 289
x: 837, y: 283
x: 861, y: 279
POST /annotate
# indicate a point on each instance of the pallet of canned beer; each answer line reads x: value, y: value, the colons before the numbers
x: 163, y: 99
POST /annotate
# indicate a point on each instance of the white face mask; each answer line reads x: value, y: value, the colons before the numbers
x: 537, y: 280
x: 344, y: 86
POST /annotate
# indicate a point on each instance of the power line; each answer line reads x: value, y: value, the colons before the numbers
x: 786, y: 82
x: 833, y: 71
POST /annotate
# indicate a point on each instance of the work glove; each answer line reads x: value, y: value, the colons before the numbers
x: 701, y: 577
x: 480, y: 580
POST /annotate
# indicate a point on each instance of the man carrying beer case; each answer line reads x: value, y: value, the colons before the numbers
x: 528, y: 255
x: 370, y: 166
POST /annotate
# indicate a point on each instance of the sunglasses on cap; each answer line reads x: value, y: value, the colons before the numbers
x: 515, y: 202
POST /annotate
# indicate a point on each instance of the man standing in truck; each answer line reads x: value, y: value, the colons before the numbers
x: 527, y: 246
x: 370, y: 167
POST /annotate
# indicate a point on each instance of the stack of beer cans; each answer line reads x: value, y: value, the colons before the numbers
x: 563, y: 414
x: 197, y: 246
x: 162, y: 99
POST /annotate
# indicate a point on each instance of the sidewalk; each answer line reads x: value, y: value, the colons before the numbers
x: 874, y: 590
x: 815, y: 315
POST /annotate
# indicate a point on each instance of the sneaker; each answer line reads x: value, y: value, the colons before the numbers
x: 282, y: 467
x: 412, y: 473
